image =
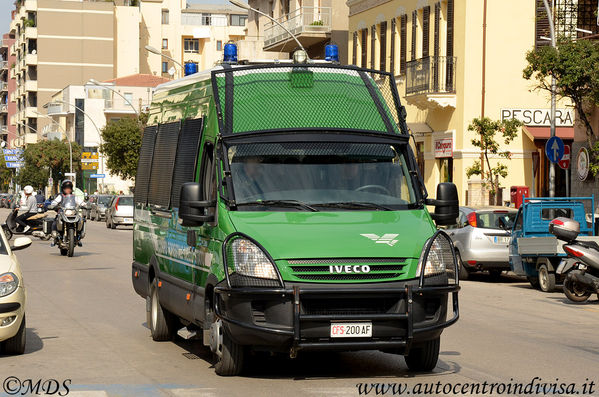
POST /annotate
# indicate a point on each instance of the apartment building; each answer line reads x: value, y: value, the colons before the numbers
x: 181, y: 32
x: 58, y: 42
x: 7, y: 87
x: 451, y: 67
x: 81, y: 111
x: 314, y: 23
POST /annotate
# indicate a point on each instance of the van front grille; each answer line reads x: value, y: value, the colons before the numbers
x: 350, y: 269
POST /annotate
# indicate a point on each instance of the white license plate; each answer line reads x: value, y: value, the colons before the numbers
x: 128, y: 220
x: 502, y: 240
x: 351, y: 330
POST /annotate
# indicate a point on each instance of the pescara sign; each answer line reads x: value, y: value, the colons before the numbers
x: 540, y: 117
x: 444, y: 148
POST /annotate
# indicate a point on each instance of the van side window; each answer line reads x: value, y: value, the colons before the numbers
x: 142, y: 178
x: 208, y: 175
x: 163, y: 162
x: 186, y: 157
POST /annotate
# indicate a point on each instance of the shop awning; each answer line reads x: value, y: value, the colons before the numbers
x: 545, y: 132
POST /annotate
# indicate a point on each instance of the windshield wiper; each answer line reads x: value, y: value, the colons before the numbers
x: 355, y: 204
x: 281, y: 203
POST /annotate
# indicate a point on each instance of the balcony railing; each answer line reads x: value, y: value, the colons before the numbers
x: 431, y: 75
x: 302, y: 20
x: 3, y: 86
x: 3, y: 108
x: 3, y: 64
x: 3, y: 129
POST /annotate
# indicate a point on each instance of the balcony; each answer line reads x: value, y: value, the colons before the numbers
x: 56, y: 109
x: 31, y: 85
x: 30, y: 138
x: 30, y: 59
x: 3, y: 86
x: 3, y: 64
x: 3, y: 44
x: 30, y: 5
x: 311, y: 25
x: 30, y: 32
x: 31, y: 112
x: 3, y: 108
x: 430, y: 82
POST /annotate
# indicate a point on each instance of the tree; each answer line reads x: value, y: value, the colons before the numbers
x: 575, y: 66
x: 121, y: 145
x: 486, y: 130
x: 47, y: 158
x: 5, y: 175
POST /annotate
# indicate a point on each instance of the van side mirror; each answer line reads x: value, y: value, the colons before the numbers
x: 447, y: 206
x: 192, y: 210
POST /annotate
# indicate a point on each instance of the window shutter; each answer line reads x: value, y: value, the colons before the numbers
x: 414, y: 26
x: 372, y: 46
x: 392, y: 44
x: 426, y: 21
x: 364, y: 48
x: 541, y: 25
x: 354, y: 58
x: 449, y: 28
x: 403, y: 45
x: 383, y: 46
x: 437, y: 48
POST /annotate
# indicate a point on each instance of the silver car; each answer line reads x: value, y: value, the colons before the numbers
x: 482, y: 238
x: 119, y: 212
x: 98, y: 206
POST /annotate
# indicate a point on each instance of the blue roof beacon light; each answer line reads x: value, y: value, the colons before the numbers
x: 190, y: 68
x: 230, y: 53
x: 331, y: 53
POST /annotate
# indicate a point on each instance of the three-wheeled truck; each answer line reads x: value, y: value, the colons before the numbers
x: 534, y: 252
x: 278, y: 208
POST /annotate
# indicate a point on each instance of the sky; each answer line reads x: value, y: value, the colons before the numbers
x: 7, y: 5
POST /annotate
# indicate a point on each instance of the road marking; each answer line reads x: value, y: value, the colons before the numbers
x: 192, y: 392
x: 88, y: 393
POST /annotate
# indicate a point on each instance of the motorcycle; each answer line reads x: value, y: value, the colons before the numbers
x: 581, y: 267
x: 36, y: 222
x: 70, y: 226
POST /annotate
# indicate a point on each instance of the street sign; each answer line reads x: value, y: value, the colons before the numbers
x: 89, y: 161
x: 97, y: 176
x: 12, y: 158
x: 554, y: 149
x: 14, y: 165
x: 13, y: 151
x: 564, y: 163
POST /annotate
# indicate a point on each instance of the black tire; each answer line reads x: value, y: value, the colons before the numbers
x: 16, y: 344
x: 71, y: 242
x: 495, y: 274
x: 534, y: 282
x: 228, y: 355
x: 574, y: 293
x: 424, y: 358
x: 463, y: 272
x: 107, y: 224
x: 161, y: 322
x: 64, y: 251
x: 546, y: 279
x: 7, y: 232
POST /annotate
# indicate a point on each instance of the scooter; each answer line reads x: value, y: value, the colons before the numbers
x: 36, y: 223
x: 581, y: 268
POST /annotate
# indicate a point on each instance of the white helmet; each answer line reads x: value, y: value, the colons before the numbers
x: 28, y: 189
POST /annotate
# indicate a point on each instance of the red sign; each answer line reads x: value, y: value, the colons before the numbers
x: 444, y: 148
x: 564, y: 163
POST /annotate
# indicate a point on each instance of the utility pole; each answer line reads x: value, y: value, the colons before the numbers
x: 552, y: 128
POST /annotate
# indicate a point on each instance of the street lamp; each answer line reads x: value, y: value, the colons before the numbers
x: 552, y: 128
x: 97, y: 83
x: 93, y: 123
x: 246, y: 6
x: 153, y: 50
x: 66, y: 136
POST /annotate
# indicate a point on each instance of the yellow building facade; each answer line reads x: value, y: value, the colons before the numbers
x: 446, y: 77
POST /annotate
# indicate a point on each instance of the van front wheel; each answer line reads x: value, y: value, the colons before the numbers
x: 228, y: 354
x: 424, y: 357
x: 161, y: 323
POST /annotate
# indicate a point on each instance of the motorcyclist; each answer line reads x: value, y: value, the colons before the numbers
x: 66, y: 188
x: 28, y: 210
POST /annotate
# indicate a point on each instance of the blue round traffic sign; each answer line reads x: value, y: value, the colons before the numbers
x: 554, y: 149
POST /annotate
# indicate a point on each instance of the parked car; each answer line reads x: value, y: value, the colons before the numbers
x: 12, y: 297
x: 119, y: 212
x: 482, y: 238
x: 98, y: 206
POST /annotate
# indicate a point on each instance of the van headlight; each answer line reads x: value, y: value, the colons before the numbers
x: 8, y: 283
x: 437, y: 262
x: 248, y: 259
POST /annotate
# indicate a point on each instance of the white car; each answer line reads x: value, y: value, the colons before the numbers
x: 12, y: 297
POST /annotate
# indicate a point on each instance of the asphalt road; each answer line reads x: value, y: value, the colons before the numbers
x: 87, y: 325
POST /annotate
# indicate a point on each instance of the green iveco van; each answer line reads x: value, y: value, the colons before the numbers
x: 279, y: 208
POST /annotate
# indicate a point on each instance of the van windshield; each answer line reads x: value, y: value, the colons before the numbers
x: 320, y: 176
